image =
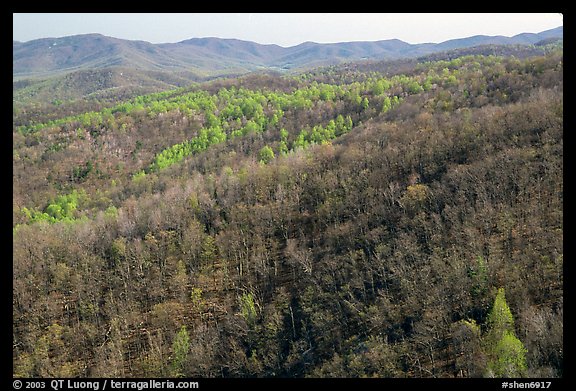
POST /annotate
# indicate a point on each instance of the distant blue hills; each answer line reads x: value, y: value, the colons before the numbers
x: 214, y: 56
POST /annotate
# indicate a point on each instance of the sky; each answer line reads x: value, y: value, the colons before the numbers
x: 286, y: 29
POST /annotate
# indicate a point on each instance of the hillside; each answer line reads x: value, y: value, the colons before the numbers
x: 101, y: 68
x: 373, y: 219
x: 100, y: 84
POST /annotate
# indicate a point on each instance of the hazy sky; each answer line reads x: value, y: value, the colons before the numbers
x: 281, y: 29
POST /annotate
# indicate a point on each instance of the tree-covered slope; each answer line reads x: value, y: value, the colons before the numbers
x: 355, y: 221
x: 93, y: 66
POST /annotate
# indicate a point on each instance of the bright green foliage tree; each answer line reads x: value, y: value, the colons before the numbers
x: 348, y: 123
x: 386, y: 104
x: 211, y: 120
x: 380, y: 86
x: 251, y: 127
x: 266, y: 155
x: 301, y: 141
x: 282, y: 147
x: 248, y: 307
x: 427, y: 86
x: 507, y: 353
x: 275, y: 118
x: 509, y: 357
x: 138, y: 175
x: 180, y: 348
x: 60, y: 209
x: 500, y: 317
x: 177, y: 152
x: 414, y: 88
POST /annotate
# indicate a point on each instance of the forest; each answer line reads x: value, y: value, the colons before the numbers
x: 376, y: 219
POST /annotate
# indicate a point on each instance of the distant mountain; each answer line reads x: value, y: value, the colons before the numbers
x: 89, y: 51
x: 215, y: 56
x: 520, y: 39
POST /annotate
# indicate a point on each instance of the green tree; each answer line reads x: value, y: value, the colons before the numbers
x: 380, y: 86
x: 180, y: 348
x: 414, y: 87
x: 386, y: 104
x: 508, y: 357
x: 500, y: 317
x: 248, y: 308
x: 282, y: 147
x: 301, y: 140
x: 198, y: 302
x: 266, y: 155
x: 507, y: 354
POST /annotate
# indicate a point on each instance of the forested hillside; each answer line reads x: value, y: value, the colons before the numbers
x: 366, y: 220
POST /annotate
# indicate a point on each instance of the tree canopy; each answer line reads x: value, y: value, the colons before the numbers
x: 371, y: 219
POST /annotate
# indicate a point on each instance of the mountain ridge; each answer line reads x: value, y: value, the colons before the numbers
x: 49, y: 56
